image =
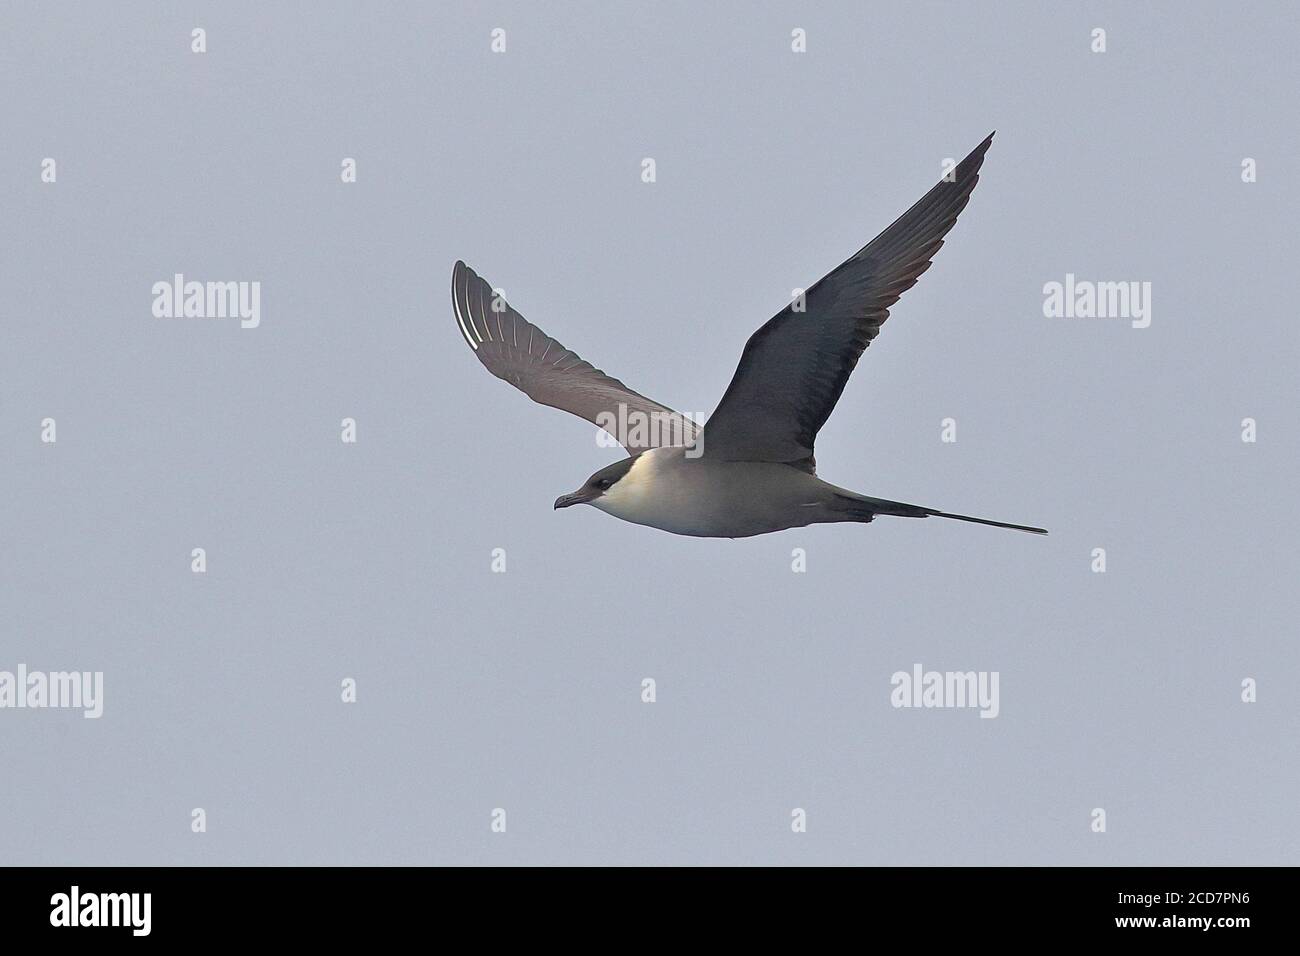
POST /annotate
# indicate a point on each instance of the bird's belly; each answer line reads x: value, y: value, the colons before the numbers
x: 669, y: 513
x: 657, y: 513
x: 704, y: 501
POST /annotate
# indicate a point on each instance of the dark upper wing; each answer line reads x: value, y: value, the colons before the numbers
x: 515, y: 350
x: 794, y: 368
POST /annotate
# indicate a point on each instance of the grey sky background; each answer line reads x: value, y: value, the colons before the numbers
x: 522, y: 690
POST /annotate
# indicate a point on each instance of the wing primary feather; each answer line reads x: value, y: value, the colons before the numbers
x: 469, y: 311
x: 455, y: 304
x: 482, y: 316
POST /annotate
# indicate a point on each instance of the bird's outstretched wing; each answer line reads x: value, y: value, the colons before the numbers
x: 794, y: 368
x: 515, y: 350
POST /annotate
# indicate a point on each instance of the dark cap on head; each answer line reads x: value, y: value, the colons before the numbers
x: 597, y: 484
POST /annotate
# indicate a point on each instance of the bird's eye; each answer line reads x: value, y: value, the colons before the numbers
x: 603, y: 483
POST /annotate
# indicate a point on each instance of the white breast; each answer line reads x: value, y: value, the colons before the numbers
x: 640, y: 495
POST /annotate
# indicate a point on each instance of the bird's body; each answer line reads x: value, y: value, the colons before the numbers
x: 666, y: 489
x: 675, y: 490
x: 751, y: 469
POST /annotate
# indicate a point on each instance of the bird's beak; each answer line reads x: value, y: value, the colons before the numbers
x: 564, y: 501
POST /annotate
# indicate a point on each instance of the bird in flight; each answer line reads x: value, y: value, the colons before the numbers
x: 750, y: 469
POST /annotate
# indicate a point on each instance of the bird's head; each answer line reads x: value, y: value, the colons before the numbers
x: 597, y: 485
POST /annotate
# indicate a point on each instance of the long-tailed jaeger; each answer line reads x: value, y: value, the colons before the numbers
x: 750, y: 469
